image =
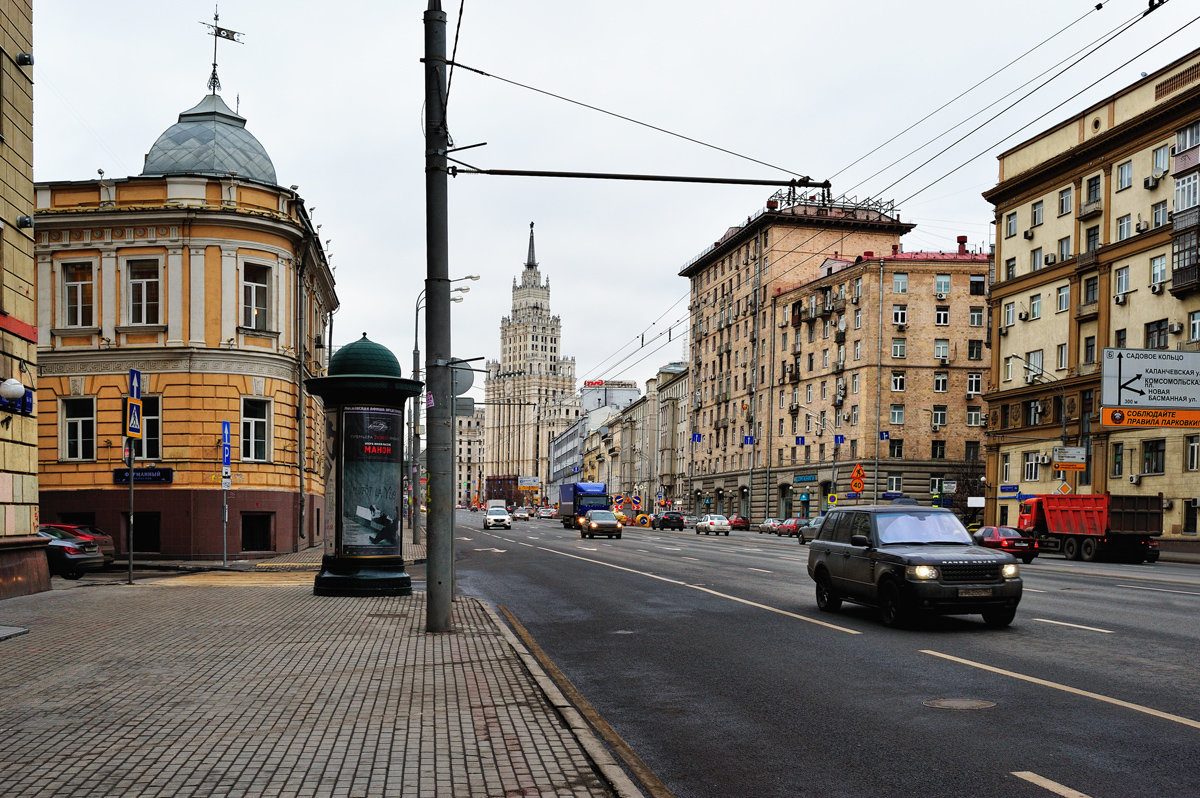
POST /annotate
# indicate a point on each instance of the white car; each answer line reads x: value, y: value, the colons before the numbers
x: 497, y: 516
x: 520, y: 514
x: 712, y: 525
x: 545, y: 512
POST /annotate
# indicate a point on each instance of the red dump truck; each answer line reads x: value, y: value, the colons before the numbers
x: 1092, y: 526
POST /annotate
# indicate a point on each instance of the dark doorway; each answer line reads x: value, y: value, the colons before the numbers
x: 256, y: 531
x: 146, y: 537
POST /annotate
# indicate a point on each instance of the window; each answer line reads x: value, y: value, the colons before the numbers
x: 1035, y: 306
x: 900, y: 283
x: 1118, y: 459
x: 1162, y: 159
x: 971, y: 451
x: 1092, y: 239
x: 937, y: 450
x: 1010, y: 225
x: 897, y: 414
x: 150, y: 445
x: 978, y: 285
x: 858, y: 350
x: 1122, y: 280
x: 974, y: 416
x: 897, y: 380
x: 1005, y: 468
x: 858, y: 318
x: 975, y: 319
x: 1008, y: 366
x: 1032, y: 466
x: 1035, y: 214
x: 975, y: 349
x: 1158, y: 212
x: 1124, y: 175
x: 1093, y: 189
x: 1033, y: 363
x: 941, y: 347
x: 1010, y: 314
x: 77, y: 294
x: 895, y: 447
x: 79, y: 429
x: 1154, y: 456
x: 974, y: 382
x: 938, y: 416
x: 854, y: 383
x: 941, y: 381
x: 1158, y: 269
x: 255, y: 429
x: 1191, y: 452
x: 1156, y: 334
x: 1119, y: 338
x: 1188, y: 137
x: 941, y: 283
x: 1089, y: 349
x: 255, y: 296
x: 1061, y: 358
x: 898, y: 347
x: 1063, y: 297
x: 1194, y: 325
x: 1187, y: 191
x: 1035, y: 259
x: 895, y: 483
x: 1010, y: 269
x: 1064, y: 248
x: 899, y: 314
x: 1091, y: 290
x: 1124, y: 227
x: 143, y: 291
x: 1065, y: 205
x: 941, y: 316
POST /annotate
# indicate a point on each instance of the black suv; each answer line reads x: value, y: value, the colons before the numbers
x: 905, y: 560
x: 668, y: 520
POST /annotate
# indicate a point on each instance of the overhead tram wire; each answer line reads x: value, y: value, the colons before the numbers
x: 962, y: 94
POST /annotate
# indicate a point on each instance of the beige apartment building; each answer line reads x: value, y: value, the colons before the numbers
x: 23, y: 567
x: 468, y: 458
x: 1098, y: 226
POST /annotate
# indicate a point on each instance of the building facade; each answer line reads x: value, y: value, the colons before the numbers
x: 469, y: 458
x: 1098, y: 226
x: 529, y: 393
x: 207, y: 277
x: 23, y: 566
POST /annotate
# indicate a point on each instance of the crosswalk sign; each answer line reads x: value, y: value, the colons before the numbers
x: 133, y: 418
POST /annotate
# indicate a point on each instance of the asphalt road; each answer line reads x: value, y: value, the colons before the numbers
x: 710, y: 659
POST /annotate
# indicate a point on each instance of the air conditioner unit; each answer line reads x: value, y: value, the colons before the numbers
x: 1175, y: 327
x: 1029, y: 235
x: 1119, y: 299
x: 1141, y: 227
x: 937, y: 428
x: 1023, y: 316
x: 1195, y: 502
x: 1150, y: 182
x: 1050, y: 260
x: 1004, y: 331
x: 783, y: 325
x: 854, y: 299
x: 1156, y: 288
x: 970, y: 396
x: 943, y: 361
x: 901, y: 327
x: 1135, y: 479
x: 1044, y: 459
x: 940, y: 296
x: 845, y: 416
x: 1031, y: 379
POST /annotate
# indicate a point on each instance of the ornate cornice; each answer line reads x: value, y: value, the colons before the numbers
x: 51, y: 364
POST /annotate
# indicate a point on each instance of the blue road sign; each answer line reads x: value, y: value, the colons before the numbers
x: 135, y: 384
x: 133, y: 418
x: 838, y: 440
x: 225, y: 454
x: 225, y: 433
x: 885, y: 436
x: 799, y: 440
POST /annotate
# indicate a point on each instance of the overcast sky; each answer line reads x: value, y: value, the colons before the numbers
x: 334, y: 92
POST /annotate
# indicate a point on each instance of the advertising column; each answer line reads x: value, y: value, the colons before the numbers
x: 372, y: 476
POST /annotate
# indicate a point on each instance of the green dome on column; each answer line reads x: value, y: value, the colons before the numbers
x: 364, y: 357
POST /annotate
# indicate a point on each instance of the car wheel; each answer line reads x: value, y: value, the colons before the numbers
x: 1070, y: 549
x: 72, y: 573
x: 582, y: 536
x: 892, y: 610
x: 827, y: 600
x: 1028, y: 558
x: 618, y: 536
x: 726, y: 533
x: 1088, y: 550
x: 1000, y: 618
x: 803, y: 540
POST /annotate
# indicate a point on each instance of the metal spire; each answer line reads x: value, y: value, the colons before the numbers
x: 217, y: 32
x: 530, y: 260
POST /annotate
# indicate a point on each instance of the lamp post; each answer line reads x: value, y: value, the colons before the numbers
x: 414, y: 437
x: 1038, y: 376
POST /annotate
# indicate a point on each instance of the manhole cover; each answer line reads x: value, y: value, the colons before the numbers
x: 959, y: 703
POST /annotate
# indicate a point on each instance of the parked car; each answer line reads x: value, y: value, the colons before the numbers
x: 769, y: 525
x: 909, y: 559
x: 545, y: 512
x: 88, y: 532
x: 497, y: 516
x: 739, y: 522
x: 669, y: 519
x: 520, y: 514
x: 712, y: 524
x: 600, y: 522
x: 1007, y: 538
x: 69, y: 556
x: 790, y: 527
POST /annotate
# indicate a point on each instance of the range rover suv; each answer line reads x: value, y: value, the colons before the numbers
x: 905, y: 560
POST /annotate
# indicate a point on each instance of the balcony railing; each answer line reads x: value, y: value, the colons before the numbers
x: 1090, y: 209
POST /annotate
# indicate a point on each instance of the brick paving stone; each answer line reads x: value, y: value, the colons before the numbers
x: 190, y: 686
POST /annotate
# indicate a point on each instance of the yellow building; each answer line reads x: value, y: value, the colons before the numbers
x: 22, y: 559
x: 207, y: 277
x: 1098, y: 220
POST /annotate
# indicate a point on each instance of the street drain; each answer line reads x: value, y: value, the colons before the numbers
x: 959, y: 703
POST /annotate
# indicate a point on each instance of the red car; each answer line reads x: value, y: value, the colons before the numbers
x: 739, y: 522
x: 1006, y: 538
x: 790, y: 527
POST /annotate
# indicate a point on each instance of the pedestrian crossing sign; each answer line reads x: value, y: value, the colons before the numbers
x: 133, y: 418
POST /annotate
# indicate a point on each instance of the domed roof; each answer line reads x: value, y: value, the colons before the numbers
x: 364, y: 357
x: 210, y: 139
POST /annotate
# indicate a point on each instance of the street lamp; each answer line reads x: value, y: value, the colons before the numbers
x: 413, y: 437
x: 1036, y: 375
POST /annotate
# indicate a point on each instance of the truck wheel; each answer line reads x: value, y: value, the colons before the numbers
x: 999, y: 618
x: 1070, y: 549
x: 1087, y: 550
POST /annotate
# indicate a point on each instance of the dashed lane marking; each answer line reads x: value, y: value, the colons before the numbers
x: 760, y: 570
x: 1047, y: 784
x: 1076, y: 626
x: 1160, y: 590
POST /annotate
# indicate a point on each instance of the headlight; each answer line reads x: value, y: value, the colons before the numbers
x: 1010, y: 571
x: 593, y: 525
x: 923, y: 572
x: 618, y: 525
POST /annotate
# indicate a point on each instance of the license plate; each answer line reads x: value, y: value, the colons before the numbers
x: 974, y: 592
x: 1020, y: 545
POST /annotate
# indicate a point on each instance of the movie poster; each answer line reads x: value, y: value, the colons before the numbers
x: 372, y: 472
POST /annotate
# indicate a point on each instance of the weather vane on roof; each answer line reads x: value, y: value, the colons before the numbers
x: 217, y: 32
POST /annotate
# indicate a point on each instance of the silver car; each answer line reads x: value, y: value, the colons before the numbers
x: 769, y: 525
x: 712, y: 524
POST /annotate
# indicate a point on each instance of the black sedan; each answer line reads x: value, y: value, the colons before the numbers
x: 70, y: 556
x: 668, y: 520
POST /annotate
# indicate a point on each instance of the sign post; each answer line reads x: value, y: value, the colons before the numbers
x: 133, y: 431
x: 225, y: 485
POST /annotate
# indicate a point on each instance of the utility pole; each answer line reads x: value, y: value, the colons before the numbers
x: 438, y: 455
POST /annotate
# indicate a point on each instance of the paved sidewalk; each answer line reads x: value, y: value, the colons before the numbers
x: 245, y: 684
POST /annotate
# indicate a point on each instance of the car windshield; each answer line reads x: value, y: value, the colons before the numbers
x: 602, y: 515
x: 717, y: 518
x: 497, y: 511
x: 1006, y: 532
x: 60, y: 534
x: 918, y: 527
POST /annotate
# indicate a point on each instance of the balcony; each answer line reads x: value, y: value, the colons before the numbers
x: 798, y: 318
x: 1088, y: 259
x: 1087, y: 310
x: 721, y: 423
x: 793, y: 376
x: 1185, y: 280
x: 794, y: 408
x: 1091, y: 208
x: 839, y: 367
x: 839, y: 336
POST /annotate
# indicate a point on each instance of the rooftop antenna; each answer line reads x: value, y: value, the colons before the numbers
x: 217, y: 32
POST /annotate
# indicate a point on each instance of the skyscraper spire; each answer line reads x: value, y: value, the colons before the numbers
x: 530, y: 261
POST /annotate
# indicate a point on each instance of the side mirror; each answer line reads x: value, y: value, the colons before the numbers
x: 860, y: 540
x: 978, y: 538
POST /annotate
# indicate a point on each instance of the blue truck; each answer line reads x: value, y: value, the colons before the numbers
x: 579, y: 497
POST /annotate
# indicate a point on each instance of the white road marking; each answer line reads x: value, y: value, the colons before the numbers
x: 1047, y: 784
x: 668, y: 580
x: 693, y: 559
x: 1031, y: 590
x: 1160, y: 590
x: 760, y: 570
x: 1195, y: 724
x: 1076, y: 626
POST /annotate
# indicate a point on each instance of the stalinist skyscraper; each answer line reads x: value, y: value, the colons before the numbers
x: 529, y: 393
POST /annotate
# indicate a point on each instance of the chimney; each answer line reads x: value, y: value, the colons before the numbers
x: 962, y: 245
x: 895, y: 250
